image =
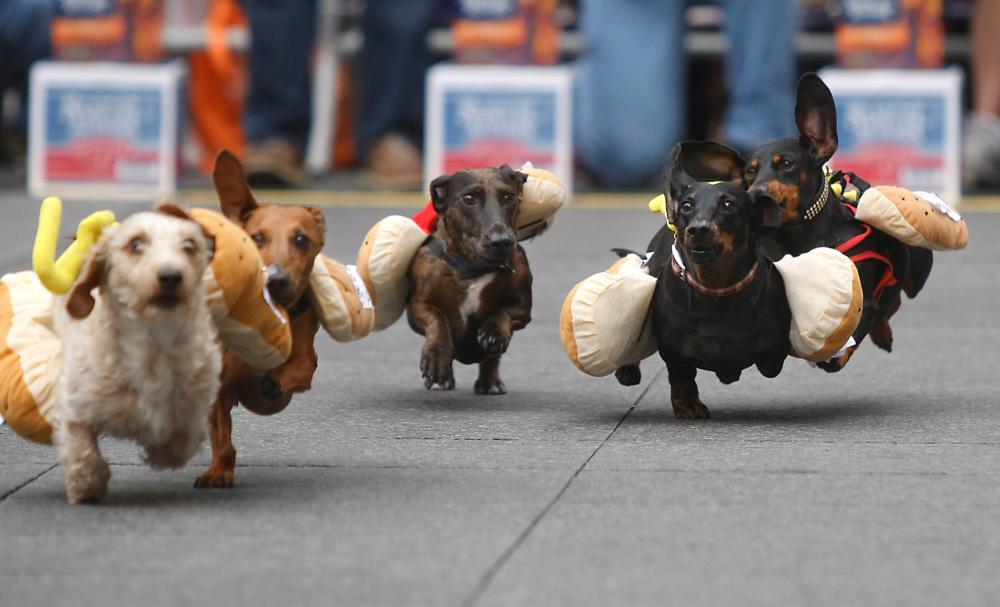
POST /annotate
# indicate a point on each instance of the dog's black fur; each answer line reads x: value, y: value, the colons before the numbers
x: 718, y: 226
x: 790, y: 171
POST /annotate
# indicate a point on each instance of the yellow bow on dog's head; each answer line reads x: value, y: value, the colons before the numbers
x: 58, y: 275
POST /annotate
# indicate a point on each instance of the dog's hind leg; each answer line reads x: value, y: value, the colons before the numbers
x: 489, y: 377
x: 223, y: 468
x: 881, y: 333
x: 684, y: 391
x: 87, y: 473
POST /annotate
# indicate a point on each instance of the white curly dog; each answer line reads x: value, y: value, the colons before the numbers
x: 140, y: 361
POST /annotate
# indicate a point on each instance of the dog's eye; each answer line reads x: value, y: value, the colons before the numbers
x: 686, y: 207
x: 136, y: 245
x: 301, y: 241
x: 751, y: 174
x: 787, y: 164
x: 509, y: 198
x: 189, y: 246
x: 728, y: 206
x: 469, y: 198
x: 258, y: 239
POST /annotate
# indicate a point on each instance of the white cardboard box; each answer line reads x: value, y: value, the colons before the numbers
x: 103, y: 131
x: 484, y: 116
x: 900, y: 127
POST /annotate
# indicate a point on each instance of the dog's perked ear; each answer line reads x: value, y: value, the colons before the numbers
x: 766, y: 211
x: 231, y: 185
x: 439, y: 193
x: 816, y: 117
x: 517, y: 178
x: 320, y: 219
x: 80, y: 302
x: 675, y: 181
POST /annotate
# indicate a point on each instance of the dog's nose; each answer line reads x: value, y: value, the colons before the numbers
x: 697, y: 230
x: 501, y: 241
x: 170, y: 280
x: 278, y: 283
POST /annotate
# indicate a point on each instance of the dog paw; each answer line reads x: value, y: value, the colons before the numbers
x: 214, y: 479
x: 493, y: 343
x: 87, y: 484
x: 490, y: 387
x: 836, y: 364
x: 628, y: 375
x: 270, y: 387
x: 689, y: 409
x: 435, y: 368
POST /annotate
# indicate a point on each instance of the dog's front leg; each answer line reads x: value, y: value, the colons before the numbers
x: 494, y: 333
x: 87, y: 473
x: 438, y: 352
x: 223, y: 468
x: 296, y: 374
x: 684, y: 390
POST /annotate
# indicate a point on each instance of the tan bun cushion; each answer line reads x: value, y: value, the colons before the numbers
x: 30, y: 356
x: 383, y: 262
x: 825, y: 298
x: 341, y: 299
x: 248, y: 323
x: 542, y: 196
x: 920, y: 219
x: 604, y: 321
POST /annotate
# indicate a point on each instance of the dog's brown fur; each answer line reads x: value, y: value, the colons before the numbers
x: 471, y: 319
x: 289, y: 238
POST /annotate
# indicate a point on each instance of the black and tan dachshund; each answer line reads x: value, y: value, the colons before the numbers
x: 470, y: 282
x: 719, y: 305
x: 791, y: 172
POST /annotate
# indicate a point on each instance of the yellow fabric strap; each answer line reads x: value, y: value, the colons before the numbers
x: 58, y: 275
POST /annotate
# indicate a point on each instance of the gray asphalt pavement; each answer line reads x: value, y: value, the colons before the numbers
x: 875, y: 486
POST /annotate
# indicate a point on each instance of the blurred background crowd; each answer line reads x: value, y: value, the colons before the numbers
x: 304, y: 90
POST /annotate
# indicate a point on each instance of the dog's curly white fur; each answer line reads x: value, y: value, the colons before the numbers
x: 141, y: 360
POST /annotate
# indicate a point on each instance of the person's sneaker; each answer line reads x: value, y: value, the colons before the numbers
x: 273, y: 163
x: 981, y: 152
x: 395, y: 163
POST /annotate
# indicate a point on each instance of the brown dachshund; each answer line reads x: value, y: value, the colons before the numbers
x: 470, y: 282
x: 289, y: 238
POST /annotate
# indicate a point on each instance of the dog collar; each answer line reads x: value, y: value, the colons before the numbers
x: 677, y: 265
x: 818, y: 204
x: 466, y: 268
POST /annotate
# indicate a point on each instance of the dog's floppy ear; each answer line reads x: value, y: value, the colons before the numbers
x: 766, y: 211
x: 439, y: 193
x: 231, y: 185
x: 80, y: 302
x: 175, y: 210
x: 517, y: 178
x: 711, y: 161
x: 816, y: 117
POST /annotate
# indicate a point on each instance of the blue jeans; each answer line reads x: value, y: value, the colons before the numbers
x: 279, y: 99
x: 630, y: 88
x: 393, y: 64
x: 24, y: 39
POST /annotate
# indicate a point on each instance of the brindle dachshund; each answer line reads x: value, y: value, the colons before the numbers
x: 791, y: 172
x: 289, y: 238
x: 719, y: 304
x: 470, y: 282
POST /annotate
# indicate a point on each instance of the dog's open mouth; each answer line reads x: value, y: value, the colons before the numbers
x: 167, y: 301
x: 702, y: 252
